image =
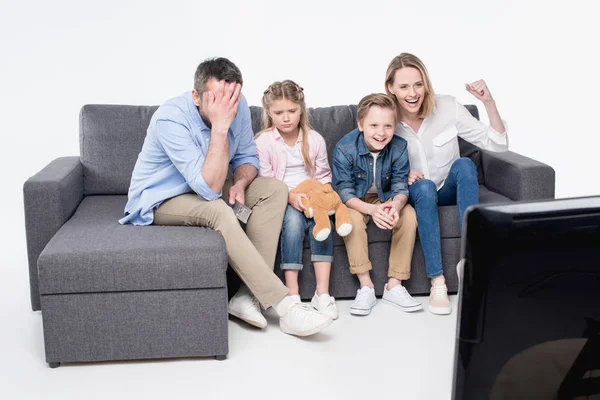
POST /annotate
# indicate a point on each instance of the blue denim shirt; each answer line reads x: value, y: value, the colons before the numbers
x: 173, y: 153
x: 353, y: 168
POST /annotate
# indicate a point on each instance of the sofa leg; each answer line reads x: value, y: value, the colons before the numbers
x: 221, y: 357
x: 54, y: 364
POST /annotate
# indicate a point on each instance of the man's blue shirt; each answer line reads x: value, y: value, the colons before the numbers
x: 173, y: 153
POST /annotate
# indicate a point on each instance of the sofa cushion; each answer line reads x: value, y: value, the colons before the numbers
x: 471, y: 151
x: 110, y: 139
x: 92, y: 252
x: 333, y: 123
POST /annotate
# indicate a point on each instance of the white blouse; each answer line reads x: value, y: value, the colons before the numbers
x: 434, y: 148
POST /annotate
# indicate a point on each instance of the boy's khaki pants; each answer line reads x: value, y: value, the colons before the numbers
x: 403, y: 241
x: 250, y: 253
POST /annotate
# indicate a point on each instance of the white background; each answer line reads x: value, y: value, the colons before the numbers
x: 540, y: 60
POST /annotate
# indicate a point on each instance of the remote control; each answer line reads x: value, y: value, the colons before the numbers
x: 242, y: 212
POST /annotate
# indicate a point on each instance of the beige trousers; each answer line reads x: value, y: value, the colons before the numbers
x: 401, y: 250
x: 251, y: 253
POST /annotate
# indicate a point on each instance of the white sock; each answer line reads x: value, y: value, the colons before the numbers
x: 283, y: 305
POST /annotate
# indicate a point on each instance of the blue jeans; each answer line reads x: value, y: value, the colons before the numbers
x: 295, y: 225
x: 460, y: 188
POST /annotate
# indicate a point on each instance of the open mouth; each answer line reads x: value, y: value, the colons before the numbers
x: 412, y: 101
x: 380, y: 140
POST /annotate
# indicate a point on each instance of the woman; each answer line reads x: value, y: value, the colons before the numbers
x: 431, y: 124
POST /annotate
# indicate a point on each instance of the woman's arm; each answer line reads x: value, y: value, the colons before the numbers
x: 480, y: 90
x: 472, y: 130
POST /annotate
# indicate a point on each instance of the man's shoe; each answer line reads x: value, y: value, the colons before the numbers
x: 363, y: 303
x: 245, y: 306
x: 302, y: 320
x: 438, y: 300
x: 325, y: 304
x: 400, y: 297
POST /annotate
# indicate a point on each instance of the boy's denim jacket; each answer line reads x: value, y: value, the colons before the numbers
x: 353, y: 168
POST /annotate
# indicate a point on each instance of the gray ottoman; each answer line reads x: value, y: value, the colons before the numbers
x: 113, y: 292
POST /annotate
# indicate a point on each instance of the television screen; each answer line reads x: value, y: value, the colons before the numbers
x: 529, y: 301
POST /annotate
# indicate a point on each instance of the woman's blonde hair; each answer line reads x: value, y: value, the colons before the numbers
x: 408, y: 60
x: 288, y: 90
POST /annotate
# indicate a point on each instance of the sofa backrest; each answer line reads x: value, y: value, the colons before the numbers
x: 111, y: 137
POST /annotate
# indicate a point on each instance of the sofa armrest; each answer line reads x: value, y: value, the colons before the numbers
x: 50, y: 198
x: 517, y: 177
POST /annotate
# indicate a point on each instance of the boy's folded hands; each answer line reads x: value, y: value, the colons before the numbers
x: 385, y: 215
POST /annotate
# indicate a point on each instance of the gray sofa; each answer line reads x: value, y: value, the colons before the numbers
x: 112, y: 292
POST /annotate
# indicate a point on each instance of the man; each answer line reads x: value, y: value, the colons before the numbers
x: 180, y: 179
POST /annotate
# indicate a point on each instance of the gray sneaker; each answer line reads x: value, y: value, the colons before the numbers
x: 400, y: 297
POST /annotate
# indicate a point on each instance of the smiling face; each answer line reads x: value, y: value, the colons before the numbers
x: 409, y: 89
x: 285, y: 115
x: 378, y: 127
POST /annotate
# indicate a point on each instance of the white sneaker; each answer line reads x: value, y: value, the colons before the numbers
x: 325, y: 304
x: 400, y: 297
x: 363, y: 303
x: 303, y: 320
x: 245, y: 306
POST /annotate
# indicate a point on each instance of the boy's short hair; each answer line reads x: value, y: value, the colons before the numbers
x: 376, y: 100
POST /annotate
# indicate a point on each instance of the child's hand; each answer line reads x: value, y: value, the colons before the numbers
x: 414, y: 176
x: 381, y: 218
x: 295, y: 199
x: 392, y: 210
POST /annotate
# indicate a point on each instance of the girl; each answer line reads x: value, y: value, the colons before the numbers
x: 290, y: 150
x: 438, y: 176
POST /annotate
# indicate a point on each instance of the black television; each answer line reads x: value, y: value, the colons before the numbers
x: 529, y: 302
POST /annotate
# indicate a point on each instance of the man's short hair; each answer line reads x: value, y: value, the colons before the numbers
x: 217, y: 68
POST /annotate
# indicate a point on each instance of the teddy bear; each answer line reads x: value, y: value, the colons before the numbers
x: 322, y: 202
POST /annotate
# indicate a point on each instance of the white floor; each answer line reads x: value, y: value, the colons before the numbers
x: 389, y: 354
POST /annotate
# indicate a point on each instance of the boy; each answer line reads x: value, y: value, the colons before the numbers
x: 370, y: 173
